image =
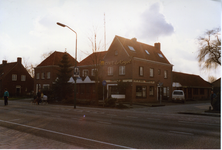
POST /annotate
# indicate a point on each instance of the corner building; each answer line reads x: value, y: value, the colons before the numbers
x: 144, y: 67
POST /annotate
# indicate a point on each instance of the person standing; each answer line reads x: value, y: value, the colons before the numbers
x: 38, y: 97
x: 6, y: 95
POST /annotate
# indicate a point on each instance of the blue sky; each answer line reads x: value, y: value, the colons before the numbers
x: 28, y: 28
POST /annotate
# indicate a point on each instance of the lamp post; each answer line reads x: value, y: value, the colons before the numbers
x: 62, y: 25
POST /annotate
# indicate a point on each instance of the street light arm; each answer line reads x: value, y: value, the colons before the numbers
x: 60, y: 24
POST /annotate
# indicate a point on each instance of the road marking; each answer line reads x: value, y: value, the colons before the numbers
x: 178, y: 132
x: 15, y: 119
x: 103, y: 122
x: 69, y: 135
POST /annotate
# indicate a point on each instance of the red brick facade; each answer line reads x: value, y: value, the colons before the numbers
x: 15, y: 78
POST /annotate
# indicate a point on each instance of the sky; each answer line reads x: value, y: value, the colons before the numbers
x: 28, y: 28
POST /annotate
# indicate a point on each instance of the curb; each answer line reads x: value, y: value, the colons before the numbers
x: 201, y: 113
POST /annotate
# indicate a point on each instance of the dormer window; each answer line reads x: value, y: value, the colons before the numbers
x: 116, y: 52
x: 131, y: 48
x: 147, y: 52
x: 160, y: 55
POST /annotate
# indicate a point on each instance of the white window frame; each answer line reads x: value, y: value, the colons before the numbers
x: 23, y: 77
x: 45, y: 86
x: 151, y: 72
x: 83, y: 72
x: 122, y: 70
x: 37, y: 75
x: 43, y: 75
x: 165, y: 74
x: 14, y: 77
x: 110, y: 71
x: 48, y: 75
x: 141, y: 70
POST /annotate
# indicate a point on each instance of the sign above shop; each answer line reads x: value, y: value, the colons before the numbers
x: 119, y: 62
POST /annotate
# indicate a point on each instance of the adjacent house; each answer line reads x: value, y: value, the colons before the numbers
x: 15, y: 78
x: 194, y: 87
x: 46, y: 71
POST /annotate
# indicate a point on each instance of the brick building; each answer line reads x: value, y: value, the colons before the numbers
x: 194, y: 87
x: 46, y: 71
x: 144, y: 67
x: 15, y: 78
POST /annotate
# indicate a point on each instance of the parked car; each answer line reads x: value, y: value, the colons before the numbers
x: 178, y: 95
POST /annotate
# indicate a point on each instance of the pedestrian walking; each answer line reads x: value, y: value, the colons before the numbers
x: 38, y: 97
x: 6, y: 95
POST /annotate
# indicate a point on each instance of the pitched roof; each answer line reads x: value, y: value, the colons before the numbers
x: 6, y: 68
x: 93, y: 58
x: 55, y: 58
x: 189, y: 80
x: 140, y: 50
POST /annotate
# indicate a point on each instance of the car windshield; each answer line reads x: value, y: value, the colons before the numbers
x: 178, y: 93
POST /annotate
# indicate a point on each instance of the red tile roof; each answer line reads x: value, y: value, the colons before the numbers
x: 6, y: 68
x: 189, y: 80
x: 140, y: 50
x: 92, y: 59
x: 55, y: 58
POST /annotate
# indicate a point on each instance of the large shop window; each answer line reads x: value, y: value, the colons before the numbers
x: 151, y: 91
x: 110, y: 71
x: 141, y: 91
x: 121, y: 70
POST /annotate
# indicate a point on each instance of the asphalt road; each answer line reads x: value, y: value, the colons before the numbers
x: 139, y: 128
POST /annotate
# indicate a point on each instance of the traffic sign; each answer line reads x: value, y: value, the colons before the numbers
x: 104, y: 82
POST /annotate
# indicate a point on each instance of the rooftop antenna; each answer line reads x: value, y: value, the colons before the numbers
x: 104, y: 33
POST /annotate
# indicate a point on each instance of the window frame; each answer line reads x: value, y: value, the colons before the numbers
x: 122, y: 70
x: 14, y: 77
x: 23, y: 77
x: 42, y: 75
x: 48, y: 75
x: 151, y: 94
x: 110, y: 71
x: 141, y: 71
x: 165, y: 74
x: 141, y: 91
x: 151, y: 72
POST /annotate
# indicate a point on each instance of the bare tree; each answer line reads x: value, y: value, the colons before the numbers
x: 209, y: 53
x: 29, y: 67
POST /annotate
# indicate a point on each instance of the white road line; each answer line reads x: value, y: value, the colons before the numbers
x: 15, y: 119
x: 67, y: 135
x: 178, y: 132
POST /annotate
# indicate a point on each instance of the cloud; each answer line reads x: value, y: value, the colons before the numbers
x: 153, y: 24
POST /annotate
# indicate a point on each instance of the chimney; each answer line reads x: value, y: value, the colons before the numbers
x: 157, y: 46
x: 19, y: 60
x: 134, y: 39
x: 4, y: 62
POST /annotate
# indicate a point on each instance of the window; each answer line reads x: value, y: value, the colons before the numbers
x: 85, y: 72
x: 48, y: 75
x: 151, y: 72
x: 37, y: 75
x: 168, y: 91
x: 110, y: 71
x: 141, y: 91
x: 202, y: 91
x: 160, y: 55
x: 131, y: 48
x: 164, y: 91
x: 116, y: 52
x: 195, y: 91
x: 23, y: 77
x: 14, y: 77
x: 43, y: 75
x: 45, y: 86
x: 147, y: 52
x: 165, y: 74
x: 93, y: 72
x: 141, y: 71
x: 151, y: 91
x: 159, y: 72
x: 121, y: 70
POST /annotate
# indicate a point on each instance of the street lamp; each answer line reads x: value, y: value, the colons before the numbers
x: 62, y: 25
